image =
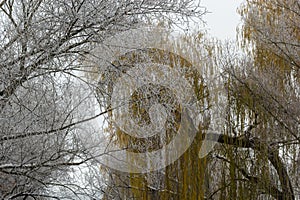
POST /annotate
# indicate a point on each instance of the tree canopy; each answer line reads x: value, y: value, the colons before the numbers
x: 111, y: 100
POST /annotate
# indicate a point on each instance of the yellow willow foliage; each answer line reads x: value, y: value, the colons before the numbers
x: 232, y: 183
x: 268, y: 12
x: 271, y: 28
x: 184, y: 178
x: 271, y: 33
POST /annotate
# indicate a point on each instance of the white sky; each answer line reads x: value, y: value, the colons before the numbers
x: 223, y: 18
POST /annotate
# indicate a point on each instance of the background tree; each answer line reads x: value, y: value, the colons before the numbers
x: 263, y: 89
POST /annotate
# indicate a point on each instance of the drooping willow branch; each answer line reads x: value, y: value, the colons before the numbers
x: 261, y: 146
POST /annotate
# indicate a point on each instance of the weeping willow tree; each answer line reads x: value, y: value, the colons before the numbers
x: 176, y: 181
x: 248, y: 105
x: 175, y: 104
x: 263, y: 113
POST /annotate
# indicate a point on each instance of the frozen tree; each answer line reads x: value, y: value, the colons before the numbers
x: 46, y: 102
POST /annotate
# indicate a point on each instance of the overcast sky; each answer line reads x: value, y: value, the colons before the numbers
x: 223, y: 19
